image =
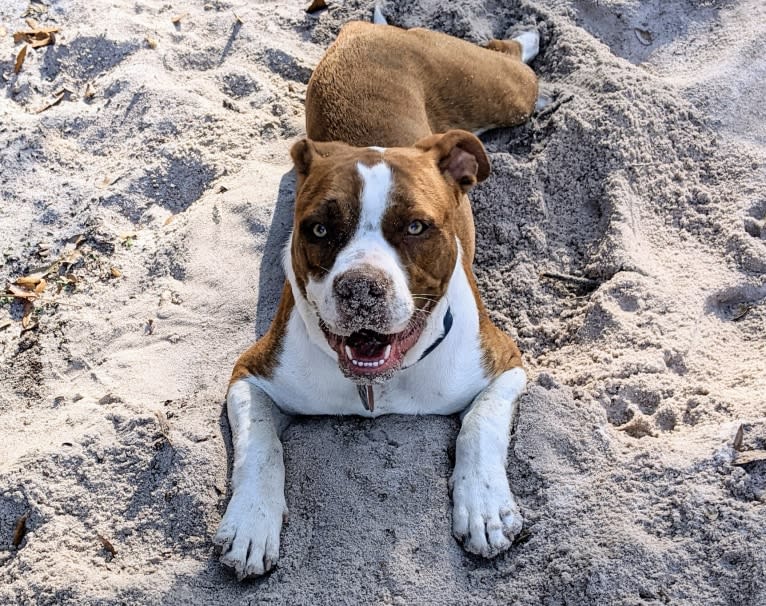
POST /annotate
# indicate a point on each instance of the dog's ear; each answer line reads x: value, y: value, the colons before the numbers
x: 459, y: 155
x: 305, y: 151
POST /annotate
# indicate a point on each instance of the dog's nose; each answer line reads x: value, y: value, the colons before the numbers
x: 362, y: 295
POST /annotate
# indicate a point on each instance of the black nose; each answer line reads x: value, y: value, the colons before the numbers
x: 361, y: 296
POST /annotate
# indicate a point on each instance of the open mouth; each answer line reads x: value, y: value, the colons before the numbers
x: 367, y: 355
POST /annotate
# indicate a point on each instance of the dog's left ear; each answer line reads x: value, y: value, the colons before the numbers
x: 459, y: 155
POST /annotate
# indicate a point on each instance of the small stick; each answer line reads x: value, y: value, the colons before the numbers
x: 569, y: 278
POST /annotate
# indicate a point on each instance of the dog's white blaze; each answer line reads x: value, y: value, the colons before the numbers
x: 376, y: 187
x: 367, y: 247
x: 530, y: 45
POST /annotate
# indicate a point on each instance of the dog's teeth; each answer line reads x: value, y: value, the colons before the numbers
x: 348, y: 353
x: 386, y: 353
x: 354, y: 362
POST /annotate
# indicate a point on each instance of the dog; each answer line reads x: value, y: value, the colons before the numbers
x: 380, y: 311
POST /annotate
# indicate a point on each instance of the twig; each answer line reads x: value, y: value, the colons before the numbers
x: 587, y: 282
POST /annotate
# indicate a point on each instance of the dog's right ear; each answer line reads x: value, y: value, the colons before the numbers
x: 306, y: 151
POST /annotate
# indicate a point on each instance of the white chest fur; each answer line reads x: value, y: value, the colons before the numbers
x: 307, y: 379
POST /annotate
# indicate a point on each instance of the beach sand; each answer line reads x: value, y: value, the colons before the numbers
x: 621, y: 240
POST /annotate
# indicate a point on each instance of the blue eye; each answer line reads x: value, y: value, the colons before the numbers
x: 416, y: 228
x: 319, y: 230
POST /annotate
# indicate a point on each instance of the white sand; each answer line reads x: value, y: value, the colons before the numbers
x: 646, y: 176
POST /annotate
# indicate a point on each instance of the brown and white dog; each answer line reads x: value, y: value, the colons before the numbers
x: 380, y: 312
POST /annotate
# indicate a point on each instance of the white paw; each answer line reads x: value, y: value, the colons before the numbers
x: 249, y: 533
x: 530, y: 45
x: 485, y: 517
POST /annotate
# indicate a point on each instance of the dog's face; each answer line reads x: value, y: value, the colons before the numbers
x: 375, y: 242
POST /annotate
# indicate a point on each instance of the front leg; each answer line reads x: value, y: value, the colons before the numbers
x: 249, y: 531
x: 485, y: 516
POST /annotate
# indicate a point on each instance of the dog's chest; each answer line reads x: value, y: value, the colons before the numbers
x: 307, y: 381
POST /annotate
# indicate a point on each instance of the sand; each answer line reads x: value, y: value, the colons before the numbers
x: 160, y: 186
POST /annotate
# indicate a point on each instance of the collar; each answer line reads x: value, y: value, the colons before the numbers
x: 366, y: 394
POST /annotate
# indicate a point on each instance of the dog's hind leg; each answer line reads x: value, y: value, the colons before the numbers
x: 485, y: 516
x: 249, y: 531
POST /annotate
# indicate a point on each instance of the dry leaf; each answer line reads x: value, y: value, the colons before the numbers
x: 177, y: 19
x: 169, y: 220
x: 26, y: 319
x: 163, y: 425
x: 41, y: 286
x: 738, y: 438
x: 116, y: 273
x: 30, y: 281
x: 5, y: 324
x: 21, y: 293
x: 20, y: 530
x: 151, y: 42
x: 89, y: 92
x: 107, y: 544
x: 37, y: 36
x: 127, y: 235
x: 56, y: 101
x: 3, y: 31
x: 316, y: 5
x: 643, y: 36
x: 749, y: 456
x: 20, y: 59
x: 31, y: 23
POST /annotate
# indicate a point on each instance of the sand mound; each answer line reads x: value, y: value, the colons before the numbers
x: 621, y: 240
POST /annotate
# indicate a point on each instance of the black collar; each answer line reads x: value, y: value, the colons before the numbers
x: 365, y: 391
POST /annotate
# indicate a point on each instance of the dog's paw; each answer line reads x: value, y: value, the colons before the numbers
x: 249, y: 533
x: 485, y: 517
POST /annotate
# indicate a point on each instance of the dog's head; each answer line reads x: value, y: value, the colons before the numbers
x: 375, y: 243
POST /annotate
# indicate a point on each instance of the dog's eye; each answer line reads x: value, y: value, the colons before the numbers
x: 319, y: 230
x: 416, y: 228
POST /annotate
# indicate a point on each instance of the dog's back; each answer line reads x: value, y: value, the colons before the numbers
x: 379, y: 85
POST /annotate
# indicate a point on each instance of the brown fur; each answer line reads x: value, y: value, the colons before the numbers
x: 261, y: 358
x: 381, y: 85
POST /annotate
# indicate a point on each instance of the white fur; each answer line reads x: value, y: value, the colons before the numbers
x: 485, y: 516
x: 367, y: 247
x: 377, y: 16
x: 307, y: 380
x: 249, y: 531
x: 530, y: 45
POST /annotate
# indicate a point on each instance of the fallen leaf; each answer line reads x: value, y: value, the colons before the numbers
x: 738, y: 437
x: 106, y: 544
x: 21, y: 293
x: 20, y: 59
x: 163, y: 425
x: 749, y: 456
x: 30, y: 281
x: 127, y: 235
x: 316, y: 5
x: 177, y: 19
x: 89, y: 92
x: 37, y: 36
x: 116, y: 273
x: 26, y: 319
x: 31, y: 23
x: 41, y: 286
x: 643, y: 36
x: 56, y: 101
x: 3, y: 31
x: 151, y: 42
x: 169, y: 220
x: 5, y: 324
x: 20, y: 530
